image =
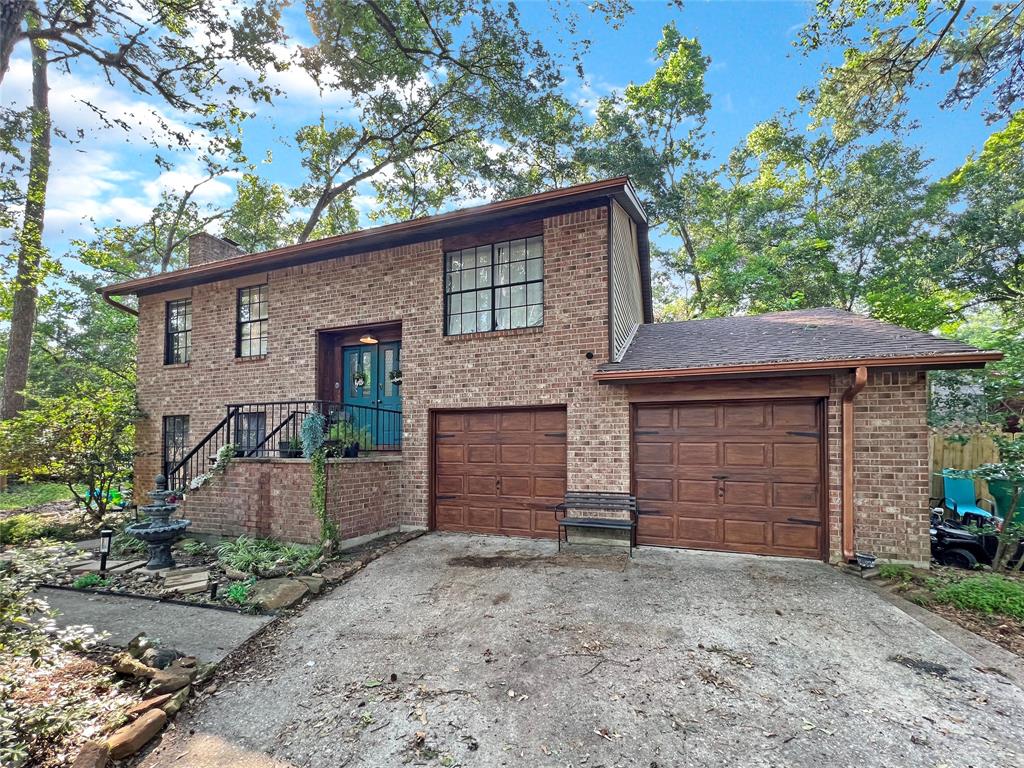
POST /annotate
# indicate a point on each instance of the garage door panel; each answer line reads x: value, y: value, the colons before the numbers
x: 481, y: 454
x: 795, y: 536
x: 697, y: 416
x: 796, y: 455
x: 481, y: 422
x: 745, y: 415
x: 697, y: 454
x: 516, y: 454
x: 745, y: 532
x: 730, y: 476
x: 648, y: 418
x: 549, y: 488
x: 745, y: 455
x: 802, y: 495
x: 655, y: 489
x: 499, y: 471
x: 697, y: 491
x: 793, y: 415
x: 549, y: 454
x: 480, y: 517
x: 745, y: 492
x: 451, y: 454
x: 698, y: 530
x: 655, y: 453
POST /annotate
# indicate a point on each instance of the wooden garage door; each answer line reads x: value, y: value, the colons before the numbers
x: 735, y: 476
x: 499, y: 471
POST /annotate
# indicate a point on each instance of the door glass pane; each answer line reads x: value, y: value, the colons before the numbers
x: 389, y: 366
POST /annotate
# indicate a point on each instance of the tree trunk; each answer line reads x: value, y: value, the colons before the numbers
x: 30, y: 242
x: 12, y: 13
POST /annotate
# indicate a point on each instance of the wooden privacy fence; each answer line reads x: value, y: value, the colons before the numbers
x: 965, y: 452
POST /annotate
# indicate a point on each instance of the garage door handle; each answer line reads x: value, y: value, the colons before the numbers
x: 802, y: 521
x: 802, y: 434
x: 445, y: 498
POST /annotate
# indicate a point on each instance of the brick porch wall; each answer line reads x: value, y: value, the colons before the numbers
x: 891, y: 466
x: 271, y: 498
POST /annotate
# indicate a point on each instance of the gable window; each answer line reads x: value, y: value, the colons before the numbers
x: 494, y: 287
x: 251, y: 334
x: 175, y: 441
x: 178, y: 332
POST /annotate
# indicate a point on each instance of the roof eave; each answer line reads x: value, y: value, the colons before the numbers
x: 927, y: 362
x: 388, y: 236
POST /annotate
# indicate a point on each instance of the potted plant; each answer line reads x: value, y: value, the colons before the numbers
x: 360, y: 378
x: 291, y: 448
x: 349, y: 439
x: 396, y: 377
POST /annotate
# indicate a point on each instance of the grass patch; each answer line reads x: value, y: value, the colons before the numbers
x: 989, y: 594
x: 90, y: 580
x: 893, y: 572
x: 25, y: 527
x: 260, y: 556
x: 34, y: 494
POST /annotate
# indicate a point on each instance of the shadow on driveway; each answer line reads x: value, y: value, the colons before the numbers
x: 480, y: 651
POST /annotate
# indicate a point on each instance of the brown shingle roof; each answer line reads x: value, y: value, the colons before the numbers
x: 802, y: 339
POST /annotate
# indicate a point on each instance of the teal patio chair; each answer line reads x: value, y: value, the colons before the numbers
x: 958, y: 497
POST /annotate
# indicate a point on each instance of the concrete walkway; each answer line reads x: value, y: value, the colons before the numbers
x: 205, y: 633
x: 476, y: 651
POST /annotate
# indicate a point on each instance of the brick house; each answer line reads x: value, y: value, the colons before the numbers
x: 491, y: 358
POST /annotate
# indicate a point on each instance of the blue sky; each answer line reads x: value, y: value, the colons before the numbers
x: 755, y: 71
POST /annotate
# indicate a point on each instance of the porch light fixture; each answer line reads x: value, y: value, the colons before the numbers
x: 106, y: 536
x: 367, y: 338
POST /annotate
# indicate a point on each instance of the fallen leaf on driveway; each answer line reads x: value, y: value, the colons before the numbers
x: 373, y: 683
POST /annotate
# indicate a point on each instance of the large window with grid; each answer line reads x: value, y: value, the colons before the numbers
x: 175, y: 441
x: 178, y: 332
x: 494, y: 287
x: 251, y: 336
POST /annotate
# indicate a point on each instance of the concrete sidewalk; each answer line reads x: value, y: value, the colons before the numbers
x: 206, y: 633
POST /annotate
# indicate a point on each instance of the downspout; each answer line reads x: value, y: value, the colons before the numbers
x: 860, y: 378
x: 118, y: 305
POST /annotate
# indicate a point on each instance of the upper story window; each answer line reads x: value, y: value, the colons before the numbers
x: 178, y: 332
x: 251, y: 335
x: 494, y: 287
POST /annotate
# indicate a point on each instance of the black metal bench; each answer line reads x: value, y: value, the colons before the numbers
x: 597, y: 501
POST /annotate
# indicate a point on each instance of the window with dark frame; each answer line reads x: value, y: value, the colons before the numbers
x: 251, y: 335
x: 494, y: 287
x: 175, y: 441
x: 250, y: 430
x: 178, y: 332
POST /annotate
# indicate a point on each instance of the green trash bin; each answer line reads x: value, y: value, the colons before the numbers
x: 1002, y: 492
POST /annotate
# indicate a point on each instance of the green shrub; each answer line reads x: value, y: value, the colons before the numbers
x: 986, y: 594
x: 193, y: 547
x: 258, y: 556
x: 90, y: 580
x: 239, y: 591
x: 126, y: 545
x: 894, y: 572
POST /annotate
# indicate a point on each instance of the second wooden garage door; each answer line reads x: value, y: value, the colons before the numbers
x: 499, y: 471
x: 733, y: 476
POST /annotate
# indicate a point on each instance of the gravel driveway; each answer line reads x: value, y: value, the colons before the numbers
x: 504, y: 654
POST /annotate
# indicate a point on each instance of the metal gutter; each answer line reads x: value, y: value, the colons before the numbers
x: 955, y: 359
x: 118, y: 305
x: 860, y: 378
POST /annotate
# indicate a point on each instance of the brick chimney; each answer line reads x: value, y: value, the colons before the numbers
x: 204, y: 248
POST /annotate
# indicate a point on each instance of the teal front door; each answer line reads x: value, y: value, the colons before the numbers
x: 373, y: 402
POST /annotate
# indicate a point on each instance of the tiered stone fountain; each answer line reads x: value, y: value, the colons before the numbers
x: 159, y: 531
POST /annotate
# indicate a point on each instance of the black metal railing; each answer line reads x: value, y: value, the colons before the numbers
x: 273, y: 429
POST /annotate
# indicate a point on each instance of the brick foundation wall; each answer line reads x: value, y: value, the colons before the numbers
x: 891, y: 466
x: 271, y: 498
x: 535, y: 366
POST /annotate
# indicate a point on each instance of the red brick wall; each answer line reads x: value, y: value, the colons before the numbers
x: 271, y: 498
x: 536, y: 366
x: 891, y: 466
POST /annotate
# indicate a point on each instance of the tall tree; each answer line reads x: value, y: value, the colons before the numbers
x: 892, y: 47
x: 152, y: 53
x: 435, y: 85
x: 655, y: 132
